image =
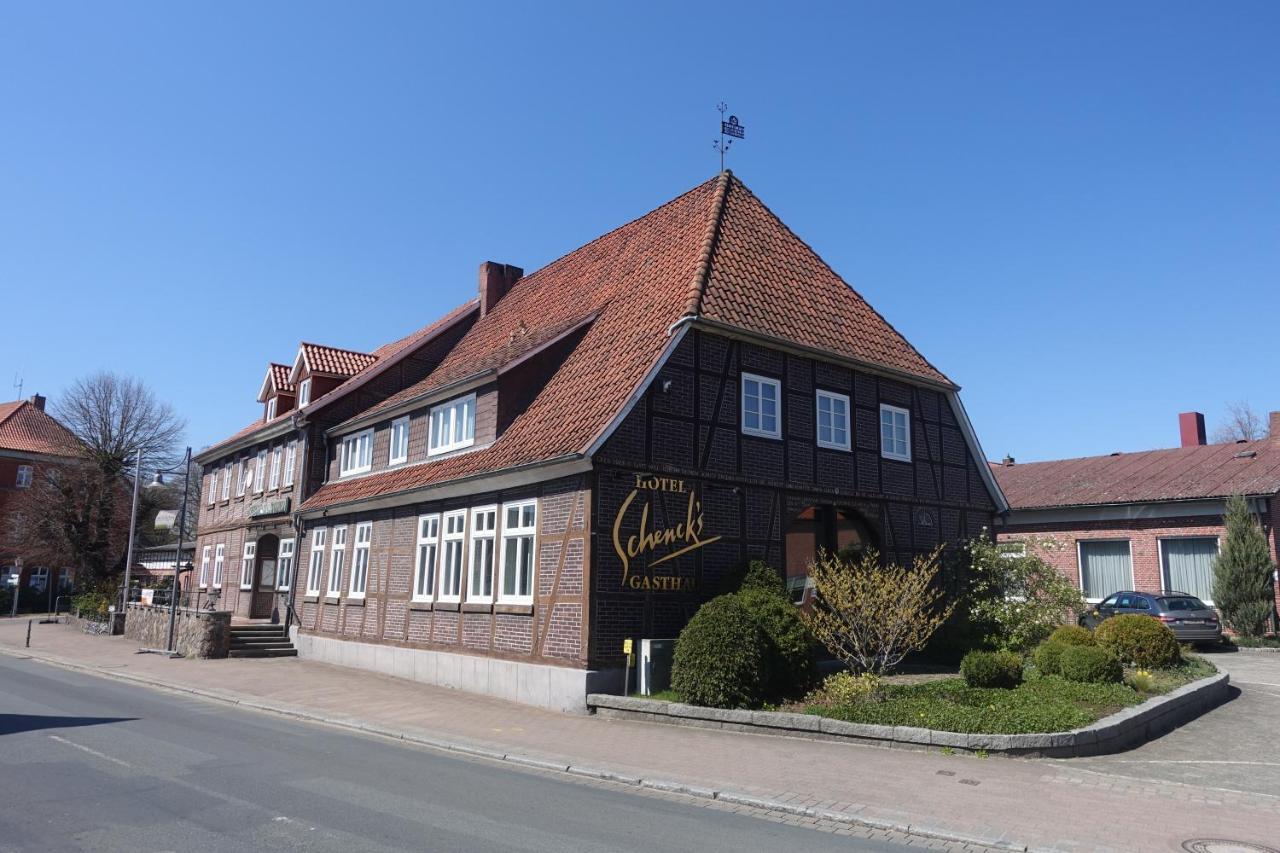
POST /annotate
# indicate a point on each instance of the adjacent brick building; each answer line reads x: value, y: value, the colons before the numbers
x: 602, y: 444
x: 1150, y: 520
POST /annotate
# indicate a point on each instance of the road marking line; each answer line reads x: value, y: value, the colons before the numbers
x: 1262, y: 683
x: 1198, y: 761
x: 102, y: 755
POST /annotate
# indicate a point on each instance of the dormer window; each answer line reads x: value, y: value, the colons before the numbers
x: 271, y: 408
x: 355, y: 456
x: 304, y: 392
x: 453, y: 425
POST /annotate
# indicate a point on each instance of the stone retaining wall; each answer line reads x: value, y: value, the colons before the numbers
x: 197, y: 633
x: 1116, y: 733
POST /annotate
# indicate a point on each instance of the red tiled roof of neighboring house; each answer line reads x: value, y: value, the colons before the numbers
x: 386, y: 354
x: 715, y: 251
x: 280, y: 376
x: 339, y: 362
x: 29, y: 429
x: 1181, y: 473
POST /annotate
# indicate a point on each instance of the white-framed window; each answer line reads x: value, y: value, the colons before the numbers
x: 519, y: 534
x: 39, y: 578
x: 64, y: 580
x: 360, y: 559
x: 277, y: 456
x: 226, y: 481
x: 399, y: 451
x: 355, y: 456
x: 271, y: 408
x: 304, y: 392
x: 219, y: 560
x: 453, y: 425
x: 316, y: 567
x: 23, y: 480
x: 284, y: 576
x: 895, y: 433
x: 1186, y: 564
x: 290, y: 462
x: 204, y: 566
x: 484, y: 522
x: 212, y: 492
x: 424, y: 571
x: 761, y: 408
x: 452, y: 555
x: 240, y: 478
x: 260, y: 471
x: 1106, y: 567
x: 833, y: 420
x: 338, y: 560
x: 246, y: 565
x: 1012, y: 550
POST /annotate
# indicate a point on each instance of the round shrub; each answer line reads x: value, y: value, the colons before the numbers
x: 992, y: 669
x: 1139, y: 640
x: 1073, y: 635
x: 845, y: 688
x: 1090, y: 665
x: 760, y: 575
x: 789, y: 645
x: 721, y: 656
x: 1048, y: 657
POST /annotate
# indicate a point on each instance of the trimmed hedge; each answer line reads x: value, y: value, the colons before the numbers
x: 1090, y: 665
x: 992, y: 669
x: 1139, y: 640
x: 1048, y: 657
x: 1073, y: 635
x: 721, y: 657
x: 789, y: 644
x: 760, y: 575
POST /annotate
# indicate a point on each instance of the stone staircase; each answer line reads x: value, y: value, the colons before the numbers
x: 260, y: 641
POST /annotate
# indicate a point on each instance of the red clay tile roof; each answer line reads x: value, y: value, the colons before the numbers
x: 280, y: 376
x: 1181, y: 473
x: 716, y: 249
x: 25, y: 428
x: 338, y: 362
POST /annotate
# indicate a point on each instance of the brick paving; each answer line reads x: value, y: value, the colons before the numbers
x: 1043, y: 805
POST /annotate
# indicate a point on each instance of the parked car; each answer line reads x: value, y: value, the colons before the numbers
x: 1191, y: 620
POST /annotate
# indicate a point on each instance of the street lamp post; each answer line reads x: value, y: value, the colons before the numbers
x: 133, y: 526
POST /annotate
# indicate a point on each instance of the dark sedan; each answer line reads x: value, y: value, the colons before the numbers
x: 1191, y: 619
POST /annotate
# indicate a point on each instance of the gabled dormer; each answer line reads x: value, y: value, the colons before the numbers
x: 278, y: 395
x: 319, y: 369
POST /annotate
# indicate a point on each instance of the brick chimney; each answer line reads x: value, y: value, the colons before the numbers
x: 1191, y: 426
x: 496, y: 280
x: 38, y: 401
x: 1274, y: 426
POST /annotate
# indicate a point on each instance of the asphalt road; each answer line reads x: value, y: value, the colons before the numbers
x: 91, y: 764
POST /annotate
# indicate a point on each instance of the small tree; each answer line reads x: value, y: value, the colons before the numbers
x: 869, y: 615
x: 1242, y: 586
x: 1017, y: 599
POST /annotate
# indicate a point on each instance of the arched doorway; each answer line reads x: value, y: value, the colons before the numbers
x: 821, y: 527
x: 266, y: 556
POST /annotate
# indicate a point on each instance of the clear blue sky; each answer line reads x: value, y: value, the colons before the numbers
x: 1073, y: 209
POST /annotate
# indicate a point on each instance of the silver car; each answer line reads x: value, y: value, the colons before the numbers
x: 1191, y: 619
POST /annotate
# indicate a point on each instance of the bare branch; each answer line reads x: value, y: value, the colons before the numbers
x: 1242, y: 424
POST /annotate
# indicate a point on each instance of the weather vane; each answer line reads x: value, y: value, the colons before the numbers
x: 730, y: 129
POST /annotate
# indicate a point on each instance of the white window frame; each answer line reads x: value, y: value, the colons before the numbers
x: 260, y: 471
x: 284, y: 566
x: 24, y: 476
x: 205, y: 557
x: 315, y: 564
x: 360, y: 560
x: 1164, y: 577
x: 213, y: 487
x: 1080, y: 565
x: 833, y: 397
x: 480, y: 537
x: 226, y: 482
x: 290, y: 462
x: 448, y: 413
x: 447, y: 540
x: 426, y: 555
x: 219, y: 563
x: 239, y: 478
x: 41, y: 574
x: 886, y: 452
x: 246, y: 564
x: 271, y: 408
x: 761, y: 381
x: 277, y: 456
x: 355, y: 453
x: 304, y: 392
x: 520, y: 532
x: 337, y: 560
x: 400, y: 426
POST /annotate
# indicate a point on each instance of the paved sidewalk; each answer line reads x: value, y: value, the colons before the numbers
x: 1042, y: 805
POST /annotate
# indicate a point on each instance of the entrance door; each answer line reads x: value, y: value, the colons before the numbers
x: 264, y: 581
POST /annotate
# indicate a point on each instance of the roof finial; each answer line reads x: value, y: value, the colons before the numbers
x: 729, y: 128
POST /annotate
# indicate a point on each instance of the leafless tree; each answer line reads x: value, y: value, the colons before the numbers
x: 114, y: 417
x: 1242, y: 423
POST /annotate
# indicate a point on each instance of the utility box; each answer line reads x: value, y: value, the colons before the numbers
x: 656, y: 657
